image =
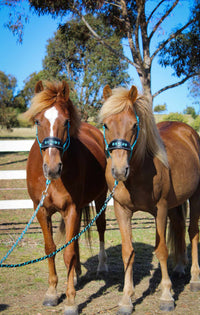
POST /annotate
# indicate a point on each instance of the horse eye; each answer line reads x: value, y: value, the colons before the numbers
x: 105, y: 126
x: 37, y: 122
x: 134, y: 126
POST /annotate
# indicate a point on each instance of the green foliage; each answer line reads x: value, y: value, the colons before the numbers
x: 183, y: 53
x: 74, y: 55
x: 175, y: 117
x: 196, y: 124
x: 10, y: 105
x: 160, y: 108
x: 8, y: 117
x: 190, y: 111
x: 194, y: 87
x: 128, y: 19
x: 109, y: 10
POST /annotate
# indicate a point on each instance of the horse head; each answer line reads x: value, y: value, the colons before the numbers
x: 55, y: 118
x: 121, y: 129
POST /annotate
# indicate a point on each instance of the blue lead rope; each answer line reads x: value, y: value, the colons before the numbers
x: 61, y: 248
x: 28, y: 224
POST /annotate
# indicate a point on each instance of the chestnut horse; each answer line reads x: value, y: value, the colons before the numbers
x: 158, y: 169
x: 70, y: 154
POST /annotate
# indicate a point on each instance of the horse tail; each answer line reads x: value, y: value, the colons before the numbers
x: 176, y: 234
x: 86, y: 214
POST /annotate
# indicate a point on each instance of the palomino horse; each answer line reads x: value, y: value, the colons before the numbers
x: 158, y: 169
x: 71, y: 155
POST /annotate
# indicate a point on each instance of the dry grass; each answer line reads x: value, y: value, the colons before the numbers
x: 18, y: 133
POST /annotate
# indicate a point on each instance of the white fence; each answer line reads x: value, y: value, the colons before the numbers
x: 17, y: 146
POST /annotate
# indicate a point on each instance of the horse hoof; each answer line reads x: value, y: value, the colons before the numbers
x: 125, y: 310
x: 71, y: 310
x: 167, y: 306
x: 194, y: 286
x: 50, y: 300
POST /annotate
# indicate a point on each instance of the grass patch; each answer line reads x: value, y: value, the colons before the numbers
x: 18, y: 133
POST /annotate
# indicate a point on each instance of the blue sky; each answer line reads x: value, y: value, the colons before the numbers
x: 20, y: 60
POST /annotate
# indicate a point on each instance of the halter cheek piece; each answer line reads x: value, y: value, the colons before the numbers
x: 121, y: 143
x: 54, y: 142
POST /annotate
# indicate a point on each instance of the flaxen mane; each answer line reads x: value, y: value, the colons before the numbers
x: 149, y: 139
x: 53, y: 93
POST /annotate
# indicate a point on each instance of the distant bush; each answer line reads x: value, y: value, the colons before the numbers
x: 8, y: 117
x: 175, y: 117
x: 190, y: 111
x: 160, y: 108
x: 196, y: 124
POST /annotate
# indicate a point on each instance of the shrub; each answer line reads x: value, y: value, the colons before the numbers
x: 175, y: 117
x: 196, y: 124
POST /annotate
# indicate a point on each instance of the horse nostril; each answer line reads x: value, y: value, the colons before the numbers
x: 113, y: 171
x: 60, y: 168
x: 126, y: 171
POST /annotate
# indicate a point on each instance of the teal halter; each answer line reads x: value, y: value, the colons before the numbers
x: 54, y: 142
x: 121, y: 143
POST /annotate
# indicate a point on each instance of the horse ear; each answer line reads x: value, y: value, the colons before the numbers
x: 133, y: 93
x: 65, y: 90
x: 39, y: 87
x: 107, y: 92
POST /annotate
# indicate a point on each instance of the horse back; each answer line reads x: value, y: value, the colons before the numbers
x: 182, y: 144
x: 175, y: 131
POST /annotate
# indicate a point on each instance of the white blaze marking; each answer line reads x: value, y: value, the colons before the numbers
x: 51, y: 114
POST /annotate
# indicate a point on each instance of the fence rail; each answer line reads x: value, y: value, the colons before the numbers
x: 17, y: 146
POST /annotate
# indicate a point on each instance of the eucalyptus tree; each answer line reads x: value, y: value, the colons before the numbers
x: 73, y: 54
x: 11, y: 101
x: 136, y: 21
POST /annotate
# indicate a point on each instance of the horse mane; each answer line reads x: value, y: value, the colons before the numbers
x: 53, y: 92
x: 149, y: 140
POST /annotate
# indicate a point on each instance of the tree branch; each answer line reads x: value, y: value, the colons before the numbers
x: 100, y: 40
x: 129, y: 32
x: 170, y: 38
x: 162, y: 19
x: 175, y: 84
x: 150, y: 16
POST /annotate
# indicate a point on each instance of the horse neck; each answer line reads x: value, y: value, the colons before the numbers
x: 140, y: 165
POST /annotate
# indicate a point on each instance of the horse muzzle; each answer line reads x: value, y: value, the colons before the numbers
x: 120, y: 166
x: 120, y: 174
x: 52, y: 172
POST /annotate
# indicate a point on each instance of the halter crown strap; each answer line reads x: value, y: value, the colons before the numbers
x: 54, y: 142
x: 121, y: 143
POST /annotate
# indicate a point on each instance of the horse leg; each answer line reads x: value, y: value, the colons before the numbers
x: 128, y: 254
x: 194, y: 239
x: 101, y: 227
x: 176, y: 237
x: 167, y: 301
x: 72, y: 224
x: 51, y: 298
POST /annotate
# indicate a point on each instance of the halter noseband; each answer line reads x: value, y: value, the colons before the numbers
x: 121, y: 143
x: 54, y: 142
